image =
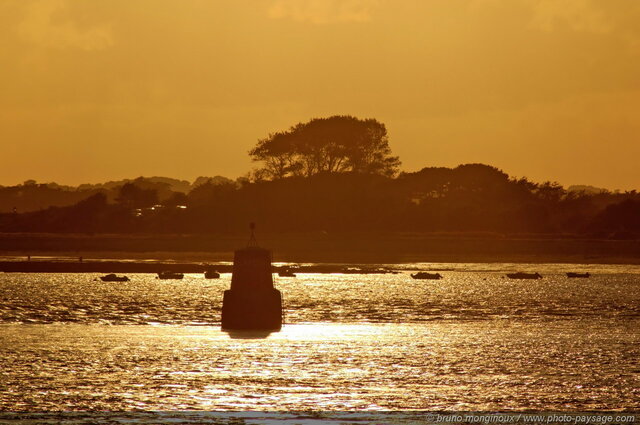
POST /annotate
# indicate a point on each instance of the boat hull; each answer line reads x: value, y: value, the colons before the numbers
x: 523, y: 276
x: 578, y: 275
x: 170, y: 276
x: 426, y: 276
x: 112, y: 277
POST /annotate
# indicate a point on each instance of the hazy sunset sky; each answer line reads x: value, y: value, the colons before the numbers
x: 96, y: 90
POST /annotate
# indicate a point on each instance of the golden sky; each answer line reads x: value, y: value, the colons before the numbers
x: 95, y: 90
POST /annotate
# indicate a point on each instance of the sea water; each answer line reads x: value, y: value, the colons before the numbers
x: 473, y: 340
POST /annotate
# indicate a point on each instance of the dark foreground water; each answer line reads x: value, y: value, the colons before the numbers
x: 472, y: 341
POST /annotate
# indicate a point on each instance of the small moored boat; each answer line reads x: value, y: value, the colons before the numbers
x: 523, y: 275
x: 351, y: 270
x: 425, y: 275
x: 211, y: 274
x: 286, y: 273
x: 576, y: 274
x: 170, y: 275
x: 111, y: 277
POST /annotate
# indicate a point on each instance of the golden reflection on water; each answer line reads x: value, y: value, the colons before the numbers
x: 382, y: 298
x: 473, y: 340
x: 325, y: 366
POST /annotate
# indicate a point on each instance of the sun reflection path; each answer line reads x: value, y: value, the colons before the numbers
x: 327, y: 366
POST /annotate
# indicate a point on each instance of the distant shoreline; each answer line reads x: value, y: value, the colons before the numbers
x: 356, y: 248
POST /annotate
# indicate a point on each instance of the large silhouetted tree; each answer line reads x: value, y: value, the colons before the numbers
x: 326, y: 145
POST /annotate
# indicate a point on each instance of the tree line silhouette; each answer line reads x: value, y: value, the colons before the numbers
x: 336, y: 174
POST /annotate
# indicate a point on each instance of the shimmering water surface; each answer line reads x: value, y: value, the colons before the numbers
x: 473, y: 340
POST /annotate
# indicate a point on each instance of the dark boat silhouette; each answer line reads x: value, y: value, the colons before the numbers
x: 211, y: 274
x: 286, y: 273
x: 523, y: 275
x: 425, y: 275
x: 111, y: 277
x: 352, y: 270
x: 576, y: 274
x: 170, y: 275
x: 366, y: 270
